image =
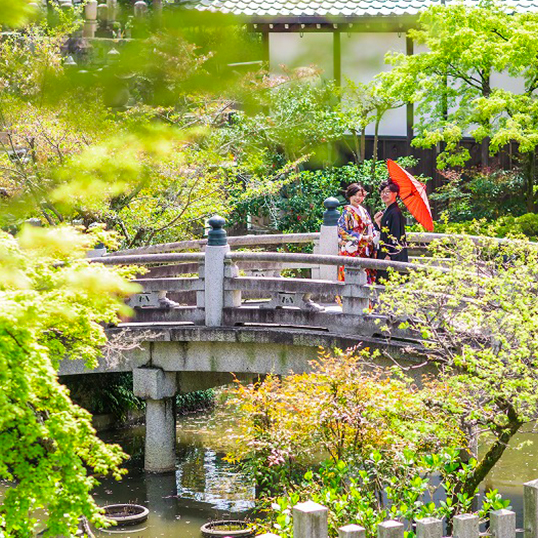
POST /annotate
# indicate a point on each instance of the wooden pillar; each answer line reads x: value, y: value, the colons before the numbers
x: 265, y: 50
x: 337, y: 57
x: 409, y: 46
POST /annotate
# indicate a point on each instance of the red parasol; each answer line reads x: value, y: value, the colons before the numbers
x: 413, y: 194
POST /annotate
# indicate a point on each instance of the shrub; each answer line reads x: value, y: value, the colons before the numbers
x: 526, y: 225
x: 488, y: 194
x: 298, y: 207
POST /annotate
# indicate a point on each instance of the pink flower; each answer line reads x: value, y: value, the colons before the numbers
x: 275, y: 458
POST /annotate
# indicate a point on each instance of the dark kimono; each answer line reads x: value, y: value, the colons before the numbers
x: 392, y: 241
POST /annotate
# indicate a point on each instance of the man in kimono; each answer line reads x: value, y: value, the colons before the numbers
x: 391, y: 224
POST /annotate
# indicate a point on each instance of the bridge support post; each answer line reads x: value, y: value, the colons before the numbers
x: 216, y: 249
x: 232, y: 298
x: 355, y: 297
x: 158, y: 388
x: 328, y: 240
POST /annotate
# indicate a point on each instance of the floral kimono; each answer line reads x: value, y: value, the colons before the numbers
x: 353, y: 225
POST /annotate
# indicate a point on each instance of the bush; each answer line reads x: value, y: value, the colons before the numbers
x: 483, y: 194
x: 298, y: 207
x: 526, y: 225
x: 375, y: 493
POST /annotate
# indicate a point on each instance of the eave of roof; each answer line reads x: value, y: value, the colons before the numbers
x: 313, y: 11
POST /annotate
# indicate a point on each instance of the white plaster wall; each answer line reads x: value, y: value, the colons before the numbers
x: 362, y: 58
x: 504, y: 80
x: 292, y: 50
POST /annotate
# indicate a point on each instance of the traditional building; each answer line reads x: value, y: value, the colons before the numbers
x: 348, y: 39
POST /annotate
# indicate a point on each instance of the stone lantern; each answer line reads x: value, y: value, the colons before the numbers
x: 90, y: 16
x: 140, y: 9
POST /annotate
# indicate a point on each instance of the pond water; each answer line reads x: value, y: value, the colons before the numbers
x: 204, y: 486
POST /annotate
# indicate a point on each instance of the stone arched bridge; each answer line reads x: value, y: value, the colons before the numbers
x: 208, y: 309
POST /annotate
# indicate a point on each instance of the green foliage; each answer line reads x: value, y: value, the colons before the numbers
x: 104, y: 393
x: 480, y: 194
x: 290, y: 115
x: 477, y: 313
x: 378, y: 491
x: 17, y: 13
x: 53, y: 307
x: 298, y: 207
x: 192, y: 402
x: 341, y: 409
x: 152, y: 171
x: 451, y: 82
x: 524, y: 225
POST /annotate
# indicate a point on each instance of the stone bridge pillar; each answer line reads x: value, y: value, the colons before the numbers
x: 328, y: 240
x: 158, y: 388
x: 214, y: 271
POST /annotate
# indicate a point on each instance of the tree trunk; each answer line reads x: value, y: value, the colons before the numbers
x: 358, y: 149
x: 492, y: 456
x: 484, y: 152
x: 488, y: 461
x: 376, y: 140
x: 530, y: 173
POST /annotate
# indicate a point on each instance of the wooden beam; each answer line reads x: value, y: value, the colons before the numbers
x: 337, y: 58
x: 409, y: 50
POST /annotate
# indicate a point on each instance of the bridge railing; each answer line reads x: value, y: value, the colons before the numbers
x: 229, y: 288
x: 310, y: 520
x: 225, y: 287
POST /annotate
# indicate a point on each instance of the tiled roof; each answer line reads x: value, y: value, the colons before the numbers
x: 333, y: 8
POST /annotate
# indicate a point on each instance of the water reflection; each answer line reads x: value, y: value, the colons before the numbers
x: 204, y: 486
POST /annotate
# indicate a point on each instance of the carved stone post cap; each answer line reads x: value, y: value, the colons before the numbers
x: 331, y: 202
x: 331, y: 216
x: 217, y: 236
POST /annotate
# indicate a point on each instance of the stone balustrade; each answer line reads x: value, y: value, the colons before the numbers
x: 310, y: 520
x: 226, y: 278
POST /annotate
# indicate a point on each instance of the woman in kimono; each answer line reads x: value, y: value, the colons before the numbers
x: 357, y: 236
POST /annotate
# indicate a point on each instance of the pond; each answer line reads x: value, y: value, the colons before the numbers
x: 204, y: 486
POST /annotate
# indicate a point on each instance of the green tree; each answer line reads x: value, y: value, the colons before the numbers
x: 152, y: 170
x: 452, y: 86
x: 54, y: 306
x: 479, y: 323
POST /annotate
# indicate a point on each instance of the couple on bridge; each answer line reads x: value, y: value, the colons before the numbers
x: 383, y: 238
